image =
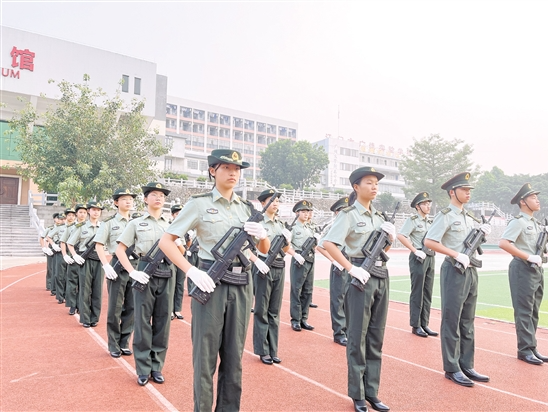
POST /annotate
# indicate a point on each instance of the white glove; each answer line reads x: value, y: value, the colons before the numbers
x: 420, y: 254
x: 178, y: 242
x: 299, y: 259
x: 338, y: 265
x: 485, y: 228
x: 79, y: 259
x: 47, y: 251
x: 359, y: 273
x: 68, y: 259
x: 536, y: 259
x: 287, y: 234
x: 201, y: 279
x: 263, y: 267
x: 463, y: 259
x: 390, y: 229
x: 139, y: 276
x: 110, y: 273
x: 56, y: 247
x: 255, y: 229
x: 191, y: 234
x: 317, y: 236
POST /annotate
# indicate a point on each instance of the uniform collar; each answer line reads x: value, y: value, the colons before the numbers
x: 363, y: 210
x: 147, y: 215
x: 217, y: 195
x: 526, y: 216
x: 456, y: 209
x: 119, y: 217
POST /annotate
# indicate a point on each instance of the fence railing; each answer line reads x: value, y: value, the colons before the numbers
x: 35, y: 221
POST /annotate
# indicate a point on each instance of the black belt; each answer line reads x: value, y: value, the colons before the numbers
x: 309, y: 258
x: 379, y: 270
x: 230, y: 277
x: 475, y: 263
x: 428, y: 252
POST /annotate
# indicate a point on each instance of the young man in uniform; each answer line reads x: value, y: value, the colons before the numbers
x: 52, y: 239
x: 91, y: 275
x: 459, y: 292
x: 120, y: 295
x: 153, y: 304
x: 48, y: 252
x: 73, y: 269
x: 525, y: 273
x: 61, y: 277
x: 421, y: 265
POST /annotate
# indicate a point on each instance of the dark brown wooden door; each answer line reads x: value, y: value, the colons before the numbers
x: 9, y: 190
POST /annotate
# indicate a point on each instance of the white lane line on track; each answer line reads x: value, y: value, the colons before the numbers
x: 153, y: 392
x: 17, y: 281
x: 24, y: 377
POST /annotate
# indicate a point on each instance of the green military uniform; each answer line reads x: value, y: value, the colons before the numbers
x: 60, y: 266
x: 219, y: 327
x: 49, y: 260
x: 526, y: 282
x: 91, y: 274
x: 120, y: 295
x: 339, y: 281
x: 301, y: 277
x: 422, y: 273
x: 268, y: 292
x: 180, y: 276
x: 365, y: 311
x: 459, y: 292
x: 73, y: 271
x: 57, y: 256
x: 154, y: 305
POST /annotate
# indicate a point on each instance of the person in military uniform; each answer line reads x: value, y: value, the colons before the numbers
x: 269, y: 286
x: 91, y: 274
x: 459, y: 292
x: 120, y: 295
x: 365, y: 310
x: 52, y: 239
x: 338, y: 283
x: 313, y: 227
x: 219, y: 326
x: 154, y: 304
x: 61, y: 277
x: 48, y: 252
x: 525, y: 272
x: 73, y: 269
x: 180, y: 275
x: 302, y: 268
x: 421, y: 265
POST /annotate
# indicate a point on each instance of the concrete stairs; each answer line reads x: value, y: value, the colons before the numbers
x: 17, y: 237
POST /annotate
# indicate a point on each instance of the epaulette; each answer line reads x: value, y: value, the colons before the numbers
x: 473, y: 217
x: 80, y: 224
x: 414, y: 217
x: 348, y: 209
x: 49, y: 227
x: 518, y: 217
x: 109, y: 218
x: 202, y: 195
x: 446, y: 210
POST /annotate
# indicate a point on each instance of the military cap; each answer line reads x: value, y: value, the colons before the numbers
x: 80, y: 206
x: 265, y: 194
x: 226, y: 156
x: 95, y: 204
x: 152, y: 186
x: 339, y: 204
x: 302, y: 205
x: 61, y: 216
x: 421, y: 197
x: 118, y: 193
x: 360, y: 172
x: 176, y: 208
x: 56, y: 215
x: 526, y: 190
x: 460, y: 180
x: 69, y: 210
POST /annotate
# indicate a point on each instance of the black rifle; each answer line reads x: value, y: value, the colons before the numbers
x: 129, y: 252
x: 541, y: 244
x: 154, y: 257
x: 373, y: 249
x: 426, y: 250
x: 276, y: 248
x: 90, y: 247
x: 234, y: 250
x: 473, y: 243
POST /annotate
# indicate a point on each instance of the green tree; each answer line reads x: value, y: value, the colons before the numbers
x: 432, y: 161
x: 294, y: 163
x: 385, y: 202
x: 86, y: 144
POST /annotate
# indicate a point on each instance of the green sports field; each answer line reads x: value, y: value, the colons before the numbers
x: 493, y: 297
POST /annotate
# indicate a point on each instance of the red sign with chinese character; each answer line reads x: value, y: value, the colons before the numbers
x: 25, y: 57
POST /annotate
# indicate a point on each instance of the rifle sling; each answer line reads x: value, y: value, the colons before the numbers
x: 229, y: 277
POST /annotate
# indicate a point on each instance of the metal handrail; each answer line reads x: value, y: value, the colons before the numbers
x: 34, y: 219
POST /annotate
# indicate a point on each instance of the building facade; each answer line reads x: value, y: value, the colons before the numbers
x: 193, y: 129
x: 346, y: 155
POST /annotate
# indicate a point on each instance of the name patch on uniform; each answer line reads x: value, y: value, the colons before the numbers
x: 116, y: 228
x: 298, y: 233
x: 84, y: 232
x: 456, y: 223
x: 143, y: 224
x: 361, y: 224
x: 419, y: 226
x: 212, y: 211
x: 529, y: 227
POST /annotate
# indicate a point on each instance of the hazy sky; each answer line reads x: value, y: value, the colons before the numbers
x: 398, y: 70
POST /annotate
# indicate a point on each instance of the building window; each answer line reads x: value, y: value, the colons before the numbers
x: 249, y: 124
x: 198, y: 128
x: 224, y: 133
x: 238, y: 122
x: 213, y: 130
x: 185, y: 126
x: 270, y: 140
x: 348, y: 152
x: 168, y: 164
x: 261, y: 127
x: 348, y: 167
x: 171, y: 124
x: 261, y: 139
x: 203, y: 166
x: 186, y: 112
x: 282, y: 131
x: 238, y: 135
x: 396, y: 164
x: 171, y: 109
x: 343, y: 181
x: 224, y: 119
x: 248, y: 137
x: 192, y: 164
x: 385, y: 162
x: 137, y: 86
x: 292, y: 133
x: 168, y: 142
x: 198, y: 114
x: 213, y: 117
x: 271, y: 128
x: 125, y: 83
